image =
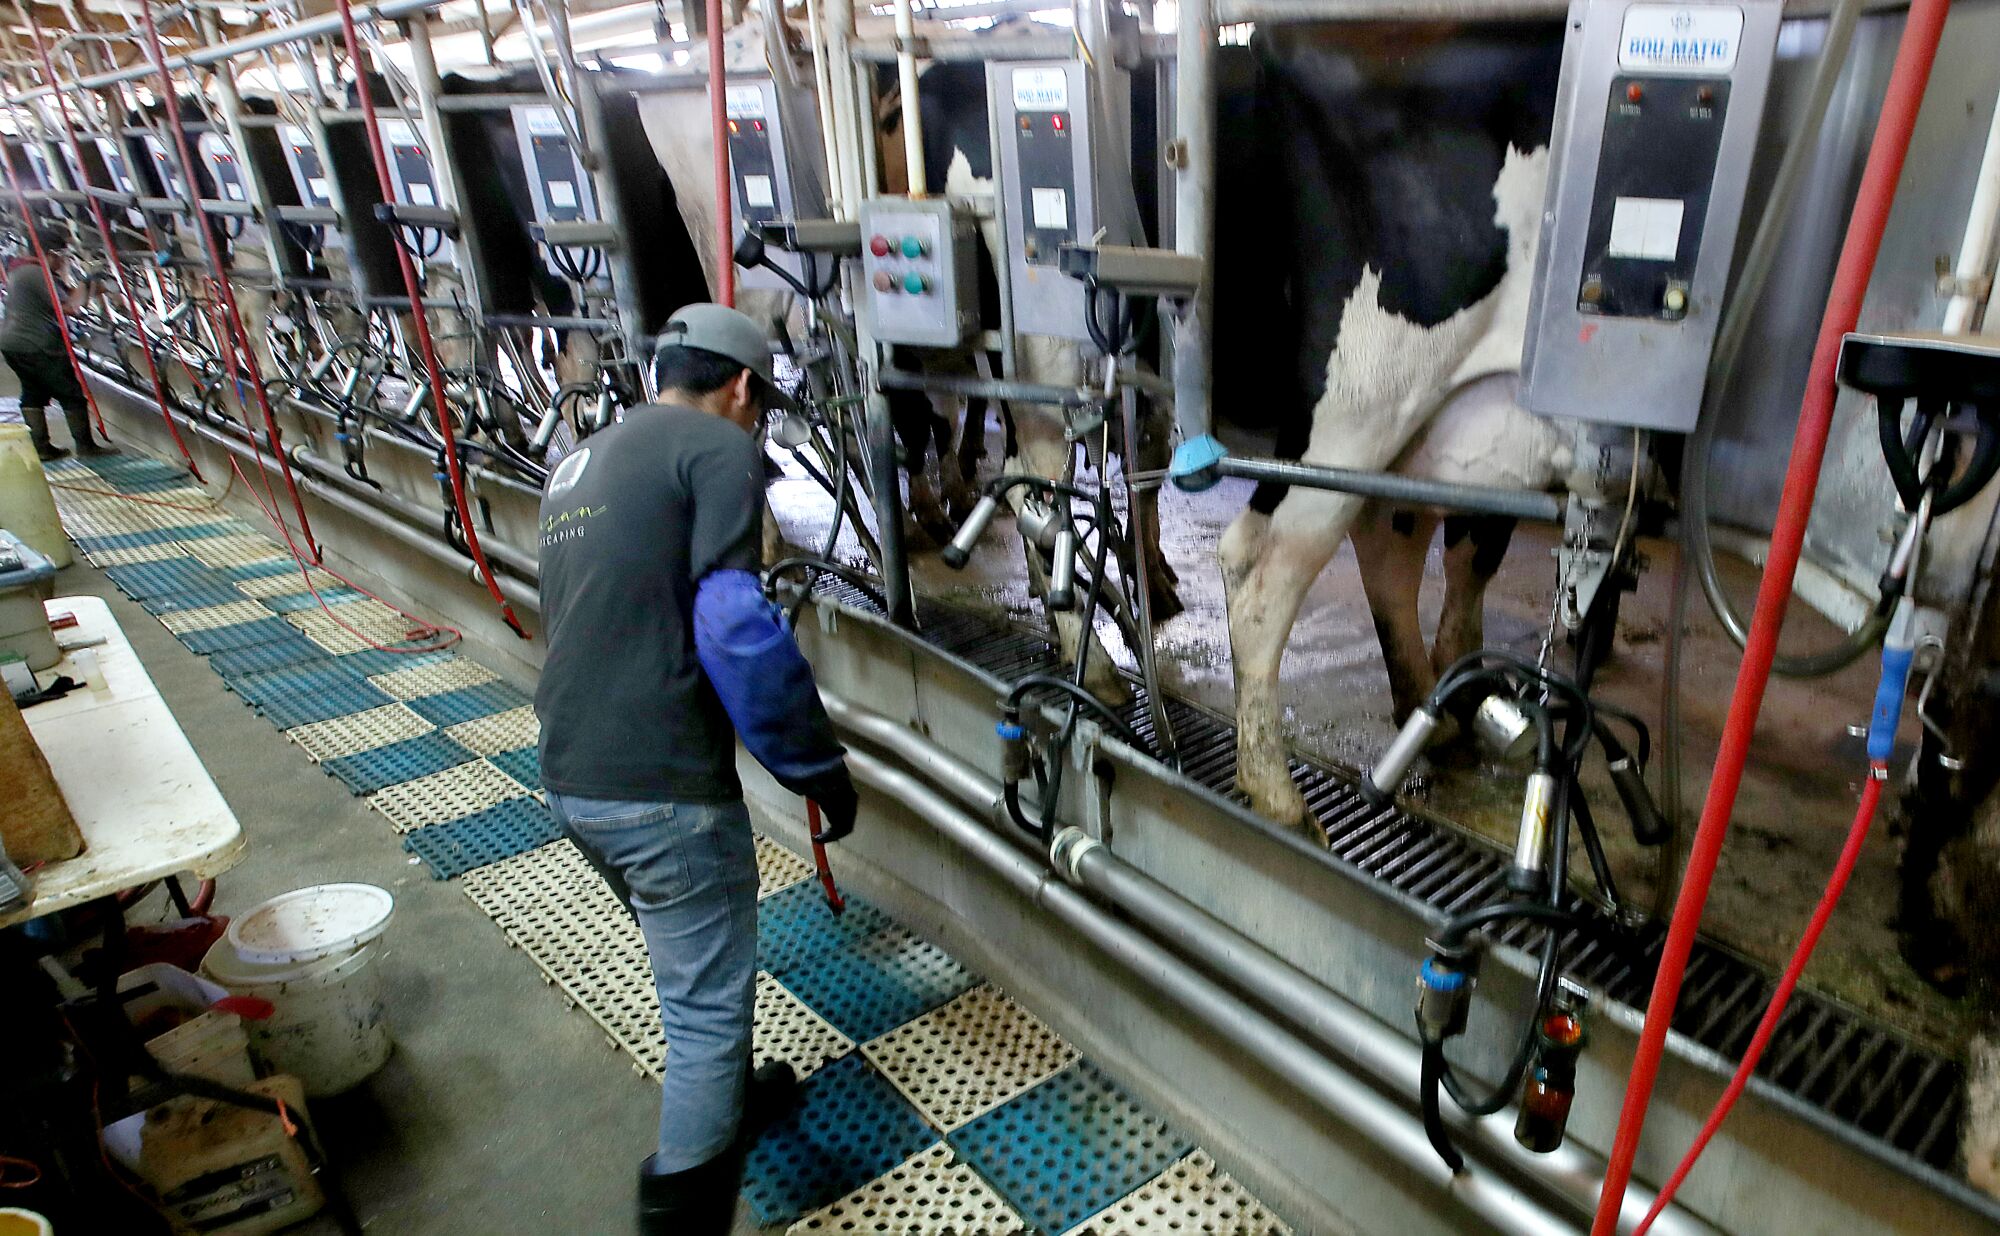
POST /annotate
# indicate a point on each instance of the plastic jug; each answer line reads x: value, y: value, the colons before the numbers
x: 27, y: 508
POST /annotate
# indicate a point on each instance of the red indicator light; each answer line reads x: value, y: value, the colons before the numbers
x: 757, y: 125
x: 732, y: 127
x: 1057, y: 120
x: 1633, y: 93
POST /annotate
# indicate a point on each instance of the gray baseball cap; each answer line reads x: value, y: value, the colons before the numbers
x: 727, y: 333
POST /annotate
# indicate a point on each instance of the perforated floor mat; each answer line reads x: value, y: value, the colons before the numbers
x: 969, y: 1056
x: 850, y: 1127
x: 873, y: 985
x: 503, y: 731
x: 365, y: 772
x: 777, y: 867
x: 436, y: 678
x: 928, y: 1194
x: 501, y: 831
x: 468, y: 703
x: 524, y: 764
x: 794, y: 927
x: 209, y: 617
x: 229, y: 636
x: 461, y: 790
x: 165, y: 576
x: 298, y: 695
x: 1068, y: 1148
x: 276, y: 653
x: 358, y: 731
x: 1191, y: 1196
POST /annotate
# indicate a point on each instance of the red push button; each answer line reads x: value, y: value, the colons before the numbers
x: 878, y: 245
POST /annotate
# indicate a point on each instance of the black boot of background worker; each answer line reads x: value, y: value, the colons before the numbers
x: 701, y: 1201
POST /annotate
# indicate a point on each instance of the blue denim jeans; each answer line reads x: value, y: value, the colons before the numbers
x: 688, y: 873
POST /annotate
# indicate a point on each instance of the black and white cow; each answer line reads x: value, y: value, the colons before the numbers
x: 1412, y: 161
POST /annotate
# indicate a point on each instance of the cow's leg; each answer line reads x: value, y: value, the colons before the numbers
x: 915, y: 425
x: 961, y: 480
x: 1474, y: 547
x: 1154, y: 452
x: 1391, y: 545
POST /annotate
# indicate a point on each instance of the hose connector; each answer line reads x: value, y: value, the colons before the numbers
x: 1534, y: 840
x: 1062, y: 572
x: 1013, y: 748
x: 1380, y: 783
x: 1549, y: 1087
x: 1503, y: 727
x: 1899, y: 652
x: 1649, y: 827
x: 1444, y: 991
x: 957, y: 553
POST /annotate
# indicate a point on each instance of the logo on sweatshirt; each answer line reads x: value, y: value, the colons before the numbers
x: 569, y: 472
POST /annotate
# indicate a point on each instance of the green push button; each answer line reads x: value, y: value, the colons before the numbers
x: 912, y: 247
x: 913, y: 283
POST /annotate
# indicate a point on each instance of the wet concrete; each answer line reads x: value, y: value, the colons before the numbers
x: 1792, y: 813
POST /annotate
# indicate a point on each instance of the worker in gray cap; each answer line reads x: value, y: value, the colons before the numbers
x: 662, y: 652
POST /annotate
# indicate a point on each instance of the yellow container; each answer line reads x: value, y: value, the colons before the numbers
x: 27, y: 508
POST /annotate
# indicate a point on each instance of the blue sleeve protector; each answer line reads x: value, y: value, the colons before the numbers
x: 763, y: 679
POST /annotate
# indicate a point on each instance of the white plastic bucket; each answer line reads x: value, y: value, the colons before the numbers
x: 27, y: 508
x: 328, y: 1028
x: 17, y: 1222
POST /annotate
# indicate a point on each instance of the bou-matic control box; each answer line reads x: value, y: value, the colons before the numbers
x: 918, y: 278
x: 1656, y: 126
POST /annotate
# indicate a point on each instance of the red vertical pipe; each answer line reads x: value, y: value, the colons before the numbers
x: 1921, y: 32
x: 110, y: 245
x: 239, y: 338
x: 433, y: 372
x: 718, y: 124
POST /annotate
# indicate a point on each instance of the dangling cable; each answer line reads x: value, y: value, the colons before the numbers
x: 439, y: 395
x: 110, y: 245
x: 237, y: 338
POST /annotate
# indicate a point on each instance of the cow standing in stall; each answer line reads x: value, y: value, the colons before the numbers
x: 1414, y: 161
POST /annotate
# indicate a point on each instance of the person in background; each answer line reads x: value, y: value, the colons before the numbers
x: 662, y: 652
x: 31, y: 341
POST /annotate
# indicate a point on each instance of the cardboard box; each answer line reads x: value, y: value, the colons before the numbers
x: 36, y: 827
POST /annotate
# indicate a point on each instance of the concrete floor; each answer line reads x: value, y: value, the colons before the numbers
x: 502, y: 1110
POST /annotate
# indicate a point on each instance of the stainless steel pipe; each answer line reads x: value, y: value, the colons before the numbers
x: 1487, y: 1194
x: 1199, y: 936
x: 1391, y: 487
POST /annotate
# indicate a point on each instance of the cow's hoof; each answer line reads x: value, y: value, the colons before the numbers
x: 1164, y: 601
x: 1278, y: 800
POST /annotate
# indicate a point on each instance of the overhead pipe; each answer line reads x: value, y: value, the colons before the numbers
x: 1394, y: 487
x: 1198, y: 935
x: 1192, y: 155
x: 913, y: 112
x: 718, y: 130
x: 1486, y: 1194
x: 1915, y: 52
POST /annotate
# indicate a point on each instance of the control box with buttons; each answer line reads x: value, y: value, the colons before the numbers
x: 415, y: 180
x: 1046, y: 196
x: 309, y: 178
x: 1656, y: 126
x: 918, y: 278
x: 223, y: 168
x: 558, y: 188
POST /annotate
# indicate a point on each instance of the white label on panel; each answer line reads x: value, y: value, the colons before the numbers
x: 421, y: 195
x: 399, y: 132
x: 757, y: 191
x: 1051, y: 207
x: 233, y: 190
x: 542, y: 121
x: 1043, y: 89
x: 1648, y: 228
x: 562, y: 194
x: 316, y: 186
x: 744, y: 102
x: 1680, y: 38
x: 292, y: 135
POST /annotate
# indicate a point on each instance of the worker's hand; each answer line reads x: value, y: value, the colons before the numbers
x: 834, y: 792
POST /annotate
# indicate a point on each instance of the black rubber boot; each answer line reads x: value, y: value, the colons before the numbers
x: 700, y: 1201
x: 49, y: 452
x: 770, y: 1096
x: 94, y: 447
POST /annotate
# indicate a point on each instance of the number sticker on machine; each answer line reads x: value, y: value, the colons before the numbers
x: 421, y: 194
x: 1680, y: 38
x: 1051, y: 208
x: 1042, y: 89
x: 1648, y: 228
x: 757, y: 192
x: 744, y: 103
x: 562, y: 194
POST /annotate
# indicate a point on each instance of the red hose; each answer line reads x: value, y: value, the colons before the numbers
x: 1864, y: 815
x: 432, y: 370
x: 55, y: 293
x: 1918, y: 47
x: 237, y: 339
x: 718, y: 124
x: 110, y: 245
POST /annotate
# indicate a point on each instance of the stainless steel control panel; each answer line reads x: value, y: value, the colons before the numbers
x: 309, y: 179
x: 918, y: 278
x: 223, y: 167
x: 760, y: 171
x: 415, y: 180
x: 559, y: 189
x: 1046, y: 198
x: 1656, y: 125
